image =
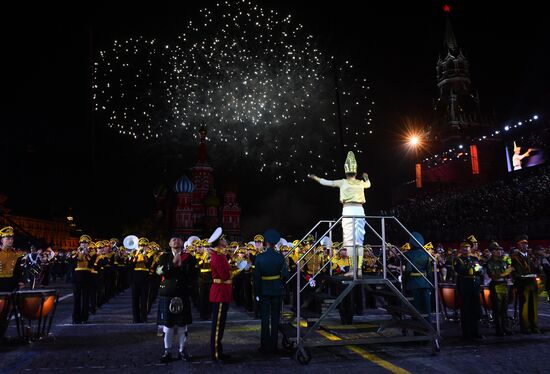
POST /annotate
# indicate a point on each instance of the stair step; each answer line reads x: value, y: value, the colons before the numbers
x: 415, y: 326
x: 383, y: 293
x: 397, y: 309
x: 309, y: 315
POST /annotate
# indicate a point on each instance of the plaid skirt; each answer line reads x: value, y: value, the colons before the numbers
x: 165, y: 318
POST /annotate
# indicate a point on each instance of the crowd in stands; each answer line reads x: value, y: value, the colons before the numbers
x: 500, y: 210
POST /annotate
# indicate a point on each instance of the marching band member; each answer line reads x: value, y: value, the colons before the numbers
x: 178, y: 270
x: 140, y: 281
x: 221, y: 293
x: 270, y: 274
x: 11, y: 268
x: 81, y: 281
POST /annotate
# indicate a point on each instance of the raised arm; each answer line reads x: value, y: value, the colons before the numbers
x: 367, y: 180
x: 324, y: 182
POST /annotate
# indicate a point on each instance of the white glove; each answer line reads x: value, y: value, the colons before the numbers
x: 160, y: 269
x: 478, y: 267
x: 312, y: 282
x: 257, y: 298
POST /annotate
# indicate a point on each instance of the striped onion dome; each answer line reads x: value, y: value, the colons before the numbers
x: 184, y: 185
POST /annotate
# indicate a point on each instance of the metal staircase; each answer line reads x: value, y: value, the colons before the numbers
x: 400, y: 320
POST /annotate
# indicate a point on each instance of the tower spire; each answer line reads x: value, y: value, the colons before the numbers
x: 450, y: 39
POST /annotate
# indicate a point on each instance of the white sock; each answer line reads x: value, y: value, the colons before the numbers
x: 168, y: 338
x: 182, y: 337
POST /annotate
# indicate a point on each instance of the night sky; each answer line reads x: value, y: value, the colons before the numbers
x: 57, y: 155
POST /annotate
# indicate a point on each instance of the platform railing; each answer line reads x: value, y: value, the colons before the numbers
x: 302, y: 261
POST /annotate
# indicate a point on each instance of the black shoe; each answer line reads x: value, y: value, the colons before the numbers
x: 166, y: 357
x: 184, y: 356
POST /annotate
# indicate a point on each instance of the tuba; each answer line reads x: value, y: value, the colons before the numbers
x: 130, y: 242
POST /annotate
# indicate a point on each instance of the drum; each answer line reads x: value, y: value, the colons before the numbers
x: 449, y: 296
x: 5, y: 308
x: 35, y: 305
x: 485, y: 298
x: 5, y: 304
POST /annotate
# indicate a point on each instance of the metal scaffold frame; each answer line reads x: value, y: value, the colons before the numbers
x: 300, y: 337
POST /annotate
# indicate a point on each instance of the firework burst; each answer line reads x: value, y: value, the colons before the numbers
x: 259, y: 82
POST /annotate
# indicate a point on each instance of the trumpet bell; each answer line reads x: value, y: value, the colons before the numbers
x: 130, y: 242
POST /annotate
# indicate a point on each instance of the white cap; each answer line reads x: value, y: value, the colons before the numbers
x: 215, y: 235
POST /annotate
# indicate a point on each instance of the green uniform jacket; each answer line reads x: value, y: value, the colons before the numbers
x: 269, y: 264
x: 422, y: 261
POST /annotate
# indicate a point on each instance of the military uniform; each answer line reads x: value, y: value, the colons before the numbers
x: 221, y: 295
x: 352, y: 197
x: 270, y: 273
x: 468, y: 289
x: 140, y: 282
x: 81, y: 281
x: 415, y: 276
x: 525, y: 282
x: 11, y: 271
x: 11, y: 266
x: 498, y: 270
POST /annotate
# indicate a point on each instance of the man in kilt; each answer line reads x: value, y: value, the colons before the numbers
x: 178, y: 271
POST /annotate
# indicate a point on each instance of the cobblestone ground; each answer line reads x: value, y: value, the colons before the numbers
x: 110, y: 343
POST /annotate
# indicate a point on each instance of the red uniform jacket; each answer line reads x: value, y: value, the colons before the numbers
x: 220, y: 292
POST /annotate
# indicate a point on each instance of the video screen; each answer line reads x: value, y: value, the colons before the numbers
x: 524, y: 152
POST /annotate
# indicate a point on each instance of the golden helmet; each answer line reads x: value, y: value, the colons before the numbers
x: 153, y: 245
x: 336, y: 244
x: 205, y: 243
x: 350, y: 166
x: 259, y: 238
x: 196, y: 242
x: 85, y: 239
x: 91, y: 245
x: 284, y: 248
x: 234, y: 244
x: 114, y: 240
x: 99, y: 244
x: 295, y: 243
x: 310, y: 239
x: 6, y: 231
x: 428, y: 246
x: 143, y: 242
x: 406, y: 247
